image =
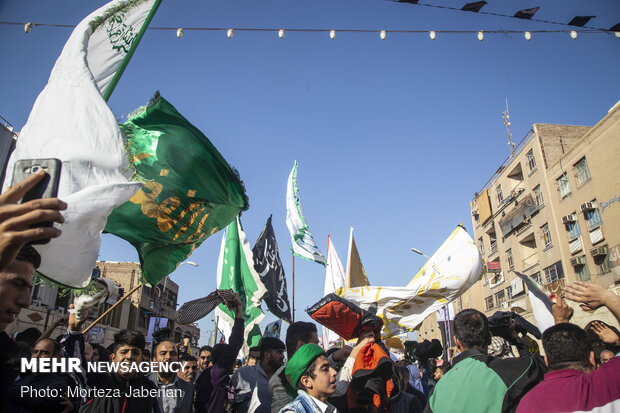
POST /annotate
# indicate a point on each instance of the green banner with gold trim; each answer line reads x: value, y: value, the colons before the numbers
x: 190, y: 190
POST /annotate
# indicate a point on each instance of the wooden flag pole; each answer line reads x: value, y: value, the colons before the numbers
x: 217, y: 320
x: 293, y: 255
x: 110, y: 309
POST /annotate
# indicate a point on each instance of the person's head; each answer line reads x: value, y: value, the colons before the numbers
x: 271, y: 353
x: 146, y: 355
x: 298, y: 334
x: 29, y: 336
x: 309, y: 370
x: 237, y: 364
x: 471, y: 330
x: 46, y: 348
x: 190, y: 368
x: 128, y: 346
x: 88, y: 352
x: 566, y: 347
x: 95, y: 356
x: 165, y: 352
x: 204, y: 357
x: 15, y: 283
x: 606, y: 355
x: 403, y: 376
x: 253, y: 357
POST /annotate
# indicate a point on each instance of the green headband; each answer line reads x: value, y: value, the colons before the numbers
x: 300, y: 361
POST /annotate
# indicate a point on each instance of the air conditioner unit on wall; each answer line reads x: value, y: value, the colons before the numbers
x: 578, y: 261
x: 568, y: 219
x: 587, y: 206
x: 598, y: 251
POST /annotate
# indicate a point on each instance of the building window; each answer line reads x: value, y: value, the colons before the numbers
x: 603, y: 264
x: 583, y: 173
x: 489, y: 303
x: 500, y: 197
x: 546, y: 234
x: 553, y: 273
x: 530, y: 160
x: 563, y: 185
x: 573, y: 229
x: 500, y: 298
x: 540, y: 201
x: 511, y: 263
x: 582, y: 272
x: 537, y: 278
x: 593, y: 217
x: 509, y: 292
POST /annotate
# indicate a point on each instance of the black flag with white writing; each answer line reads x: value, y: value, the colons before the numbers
x: 269, y: 267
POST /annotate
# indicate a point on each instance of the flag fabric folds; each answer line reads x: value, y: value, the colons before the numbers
x: 303, y: 242
x: 196, y: 309
x: 190, y: 193
x: 269, y: 267
x: 71, y: 121
x: 335, y: 280
x: 356, y: 275
x: 541, y: 304
x: 450, y: 271
x: 236, y: 271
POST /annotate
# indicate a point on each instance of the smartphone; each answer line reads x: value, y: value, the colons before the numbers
x: 46, y: 188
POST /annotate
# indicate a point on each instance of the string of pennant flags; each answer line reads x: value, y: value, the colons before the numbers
x: 281, y: 33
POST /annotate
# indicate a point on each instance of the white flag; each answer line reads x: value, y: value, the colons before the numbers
x: 335, y: 279
x: 303, y: 243
x: 71, y: 121
x: 454, y: 267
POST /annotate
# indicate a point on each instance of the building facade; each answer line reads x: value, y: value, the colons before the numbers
x: 551, y: 212
x: 134, y: 313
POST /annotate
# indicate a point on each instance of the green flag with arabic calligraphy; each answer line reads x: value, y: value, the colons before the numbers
x: 190, y: 190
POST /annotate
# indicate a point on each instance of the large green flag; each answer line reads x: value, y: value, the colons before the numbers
x: 236, y: 271
x: 190, y: 191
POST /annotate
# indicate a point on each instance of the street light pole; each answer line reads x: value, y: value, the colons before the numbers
x: 417, y: 251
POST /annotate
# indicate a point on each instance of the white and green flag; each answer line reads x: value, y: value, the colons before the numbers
x: 450, y: 271
x: 303, y: 242
x: 236, y: 271
x: 71, y: 121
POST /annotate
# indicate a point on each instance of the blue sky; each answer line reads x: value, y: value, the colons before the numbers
x: 392, y: 137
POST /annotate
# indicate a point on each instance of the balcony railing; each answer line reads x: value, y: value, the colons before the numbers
x: 493, y: 248
x: 530, y: 261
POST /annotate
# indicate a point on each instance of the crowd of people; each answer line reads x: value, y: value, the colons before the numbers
x: 579, y: 372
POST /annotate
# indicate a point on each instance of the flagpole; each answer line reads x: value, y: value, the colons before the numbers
x: 293, y: 254
x: 349, y: 259
x: 217, y: 319
x: 110, y: 309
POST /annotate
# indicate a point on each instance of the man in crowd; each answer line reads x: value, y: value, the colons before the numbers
x: 214, y: 392
x: 175, y: 395
x: 127, y: 348
x: 44, y: 384
x: 190, y: 369
x: 478, y: 382
x: 247, y: 378
x: 572, y: 383
x: 310, y: 372
x: 253, y: 357
x: 204, y: 358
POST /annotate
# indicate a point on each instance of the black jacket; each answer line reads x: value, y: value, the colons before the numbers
x: 116, y: 397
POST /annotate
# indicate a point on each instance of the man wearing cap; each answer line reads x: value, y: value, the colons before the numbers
x: 315, y: 380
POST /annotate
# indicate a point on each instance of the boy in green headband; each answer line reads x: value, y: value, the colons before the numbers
x: 309, y: 371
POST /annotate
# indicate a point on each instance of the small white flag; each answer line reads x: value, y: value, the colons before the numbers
x: 335, y: 279
x: 303, y: 242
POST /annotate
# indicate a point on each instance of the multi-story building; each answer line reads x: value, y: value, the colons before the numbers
x: 551, y: 212
x: 133, y: 313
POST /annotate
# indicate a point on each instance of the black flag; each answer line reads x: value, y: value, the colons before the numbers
x: 269, y: 267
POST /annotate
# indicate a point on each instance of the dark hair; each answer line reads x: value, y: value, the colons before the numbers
x: 29, y: 336
x: 309, y: 371
x: 255, y: 349
x: 129, y: 338
x: 104, y: 353
x: 146, y: 352
x: 205, y: 348
x: 29, y: 254
x: 299, y: 330
x: 591, y: 334
x: 269, y: 344
x: 187, y: 357
x: 218, y: 351
x: 57, y: 349
x: 164, y: 341
x: 566, y: 346
x: 471, y: 327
